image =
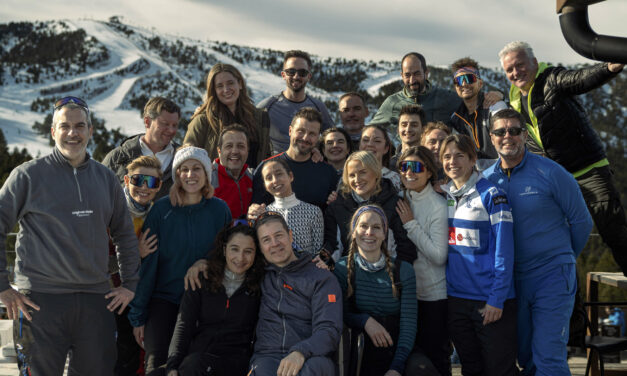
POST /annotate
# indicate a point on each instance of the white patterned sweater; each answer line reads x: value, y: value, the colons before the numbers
x: 305, y: 220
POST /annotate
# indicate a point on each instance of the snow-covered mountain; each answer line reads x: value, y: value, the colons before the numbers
x: 116, y: 68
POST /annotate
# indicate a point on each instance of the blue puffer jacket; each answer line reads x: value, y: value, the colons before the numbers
x: 186, y: 234
x: 481, y: 242
x: 301, y: 310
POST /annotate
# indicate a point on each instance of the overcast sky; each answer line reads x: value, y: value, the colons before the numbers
x: 385, y: 29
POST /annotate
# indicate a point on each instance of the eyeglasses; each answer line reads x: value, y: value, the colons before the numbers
x: 65, y: 100
x: 138, y: 180
x: 292, y: 72
x: 468, y: 78
x: 513, y: 131
x: 413, y: 166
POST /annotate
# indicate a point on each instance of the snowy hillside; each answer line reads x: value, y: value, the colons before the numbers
x: 116, y: 68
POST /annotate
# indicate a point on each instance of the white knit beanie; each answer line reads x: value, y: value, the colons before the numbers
x: 192, y: 152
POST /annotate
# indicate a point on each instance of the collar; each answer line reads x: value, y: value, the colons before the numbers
x: 60, y: 159
x: 415, y: 196
x: 286, y: 202
x: 168, y: 150
x: 466, y: 188
x: 223, y: 171
x: 427, y: 89
x: 519, y: 166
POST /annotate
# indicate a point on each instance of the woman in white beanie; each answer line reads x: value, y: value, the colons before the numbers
x: 186, y: 224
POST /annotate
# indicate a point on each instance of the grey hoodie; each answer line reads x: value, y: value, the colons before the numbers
x: 64, y: 213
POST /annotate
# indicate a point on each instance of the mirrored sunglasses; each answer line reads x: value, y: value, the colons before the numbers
x: 413, y: 166
x: 139, y: 179
x: 468, y: 78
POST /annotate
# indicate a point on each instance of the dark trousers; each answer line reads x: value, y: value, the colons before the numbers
x: 205, y: 364
x: 432, y: 337
x: 158, y: 333
x: 128, y: 349
x: 484, y: 350
x: 78, y: 323
x: 604, y: 204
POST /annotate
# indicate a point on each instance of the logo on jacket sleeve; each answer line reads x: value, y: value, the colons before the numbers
x: 331, y: 298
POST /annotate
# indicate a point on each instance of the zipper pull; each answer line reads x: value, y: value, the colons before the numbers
x: 228, y: 303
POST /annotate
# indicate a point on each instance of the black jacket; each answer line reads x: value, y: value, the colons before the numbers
x: 339, y: 213
x: 566, y: 133
x: 118, y: 158
x: 475, y: 125
x: 212, y: 323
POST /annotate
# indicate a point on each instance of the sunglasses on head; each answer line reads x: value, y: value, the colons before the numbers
x: 468, y: 78
x: 513, y: 131
x: 66, y: 100
x: 139, y: 179
x: 413, y: 166
x: 292, y: 72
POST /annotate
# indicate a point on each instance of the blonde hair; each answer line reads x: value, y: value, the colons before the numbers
x: 369, y: 161
x: 146, y: 161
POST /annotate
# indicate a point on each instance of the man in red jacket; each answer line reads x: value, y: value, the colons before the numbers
x: 231, y: 178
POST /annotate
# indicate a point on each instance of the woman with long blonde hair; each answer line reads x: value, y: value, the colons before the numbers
x: 227, y: 102
x: 186, y: 224
x: 379, y: 294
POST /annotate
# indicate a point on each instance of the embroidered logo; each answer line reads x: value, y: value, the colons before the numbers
x: 82, y: 213
x: 331, y: 298
x: 497, y: 200
x: 529, y: 191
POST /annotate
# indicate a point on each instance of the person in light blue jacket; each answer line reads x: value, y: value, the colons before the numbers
x: 551, y: 227
x: 482, y: 308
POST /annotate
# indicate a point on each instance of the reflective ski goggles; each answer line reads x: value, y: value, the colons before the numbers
x: 413, y: 166
x: 65, y: 100
x: 513, y: 131
x: 292, y: 72
x: 468, y: 78
x: 138, y: 180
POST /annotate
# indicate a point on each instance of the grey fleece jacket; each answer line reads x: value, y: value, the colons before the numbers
x: 64, y: 213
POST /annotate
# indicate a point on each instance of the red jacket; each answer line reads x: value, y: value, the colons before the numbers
x: 236, y: 193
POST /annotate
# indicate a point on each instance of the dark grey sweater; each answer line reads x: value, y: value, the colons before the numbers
x: 64, y: 213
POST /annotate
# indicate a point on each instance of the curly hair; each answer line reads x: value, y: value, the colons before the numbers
x: 217, y: 260
x: 350, y: 262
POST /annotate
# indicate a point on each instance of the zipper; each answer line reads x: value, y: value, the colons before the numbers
x: 241, y: 202
x: 80, y: 197
x: 278, y: 307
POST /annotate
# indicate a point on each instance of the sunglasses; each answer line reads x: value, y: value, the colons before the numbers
x: 65, y: 100
x: 292, y: 72
x: 139, y: 179
x: 513, y: 131
x: 413, y: 166
x: 468, y: 78
x: 240, y: 222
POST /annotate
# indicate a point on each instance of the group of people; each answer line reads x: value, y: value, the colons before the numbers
x: 251, y: 248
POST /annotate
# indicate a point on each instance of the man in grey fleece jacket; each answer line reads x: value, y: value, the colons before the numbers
x: 65, y: 202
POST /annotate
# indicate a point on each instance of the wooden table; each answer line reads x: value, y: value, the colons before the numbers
x: 592, y: 295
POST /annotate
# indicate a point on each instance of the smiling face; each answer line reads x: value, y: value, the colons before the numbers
x: 276, y: 179
x: 142, y: 195
x: 520, y: 69
x: 161, y: 130
x: 409, y: 129
x: 372, y: 139
x: 276, y: 243
x: 227, y: 89
x: 469, y: 90
x: 415, y: 181
x: 457, y: 165
x: 369, y: 235
x: 413, y: 75
x: 192, y: 176
x: 335, y: 148
x: 239, y: 253
x: 304, y: 135
x: 71, y: 133
x: 233, y: 152
x: 361, y: 179
x: 296, y: 83
x: 511, y: 148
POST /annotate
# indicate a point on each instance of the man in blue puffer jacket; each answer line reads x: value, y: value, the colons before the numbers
x: 551, y: 227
